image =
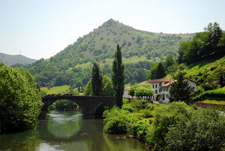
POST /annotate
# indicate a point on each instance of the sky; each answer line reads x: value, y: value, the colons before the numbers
x: 42, y: 28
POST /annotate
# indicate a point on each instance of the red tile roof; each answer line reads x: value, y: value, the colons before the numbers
x: 157, y: 80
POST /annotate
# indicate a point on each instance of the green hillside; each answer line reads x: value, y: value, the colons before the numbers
x: 140, y: 49
x: 15, y: 59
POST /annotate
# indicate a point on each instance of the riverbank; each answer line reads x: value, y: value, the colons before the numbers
x: 168, y: 126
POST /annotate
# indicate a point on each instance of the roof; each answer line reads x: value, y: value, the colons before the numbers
x: 127, y: 88
x: 168, y: 84
x: 157, y: 80
x: 191, y: 80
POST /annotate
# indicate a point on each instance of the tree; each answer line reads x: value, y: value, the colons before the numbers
x: 96, y: 79
x: 106, y: 87
x: 141, y: 90
x: 160, y: 72
x: 152, y: 72
x: 20, y: 100
x: 180, y: 90
x: 118, y: 77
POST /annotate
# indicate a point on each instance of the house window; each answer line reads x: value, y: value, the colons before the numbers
x: 160, y: 90
x: 155, y: 91
x: 160, y: 83
x: 155, y: 85
x: 163, y: 97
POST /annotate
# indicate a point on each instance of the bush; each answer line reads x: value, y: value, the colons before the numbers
x: 128, y: 108
x: 147, y: 113
x: 118, y: 121
x: 140, y: 129
x: 206, y: 87
x: 139, y: 104
x: 166, y: 116
x: 205, y: 131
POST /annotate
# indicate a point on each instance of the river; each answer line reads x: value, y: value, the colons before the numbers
x: 67, y: 131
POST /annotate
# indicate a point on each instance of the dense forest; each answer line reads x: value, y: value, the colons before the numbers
x: 140, y: 49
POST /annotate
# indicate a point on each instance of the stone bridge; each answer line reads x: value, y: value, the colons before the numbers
x: 87, y: 104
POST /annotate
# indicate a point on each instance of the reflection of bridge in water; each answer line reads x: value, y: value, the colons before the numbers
x: 87, y: 104
x: 86, y: 131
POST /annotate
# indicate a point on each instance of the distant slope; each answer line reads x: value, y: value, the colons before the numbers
x: 15, y: 59
x: 73, y: 64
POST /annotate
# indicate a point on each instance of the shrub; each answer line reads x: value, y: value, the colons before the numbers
x: 140, y: 129
x: 166, y: 116
x: 147, y: 113
x: 128, y: 108
x: 138, y: 104
x: 117, y: 121
x: 206, y: 87
x: 205, y: 131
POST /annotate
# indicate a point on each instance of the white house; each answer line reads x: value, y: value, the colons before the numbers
x: 164, y: 95
x: 161, y: 86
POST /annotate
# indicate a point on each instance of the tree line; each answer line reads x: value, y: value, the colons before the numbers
x: 204, y: 44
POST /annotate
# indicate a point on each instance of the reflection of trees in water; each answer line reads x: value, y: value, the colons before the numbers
x: 27, y: 140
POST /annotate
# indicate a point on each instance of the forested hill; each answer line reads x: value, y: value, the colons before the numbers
x: 15, y: 59
x: 73, y: 64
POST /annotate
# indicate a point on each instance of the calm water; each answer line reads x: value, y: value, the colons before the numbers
x: 67, y: 131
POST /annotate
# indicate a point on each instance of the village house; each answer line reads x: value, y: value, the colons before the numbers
x: 162, y: 87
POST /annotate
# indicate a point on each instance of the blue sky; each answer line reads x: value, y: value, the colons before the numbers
x: 42, y: 28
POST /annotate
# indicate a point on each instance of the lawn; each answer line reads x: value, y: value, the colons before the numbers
x: 57, y: 89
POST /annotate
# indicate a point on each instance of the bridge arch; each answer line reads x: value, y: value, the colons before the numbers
x: 87, y: 104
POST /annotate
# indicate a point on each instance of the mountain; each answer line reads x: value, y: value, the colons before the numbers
x: 15, y: 59
x: 139, y: 48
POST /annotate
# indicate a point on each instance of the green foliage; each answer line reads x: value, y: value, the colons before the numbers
x: 138, y: 104
x: 152, y: 72
x: 140, y: 129
x: 160, y: 72
x: 166, y: 116
x: 209, y: 93
x: 118, y: 77
x: 118, y: 121
x: 203, y: 45
x: 65, y: 105
x: 20, y: 100
x: 106, y: 87
x: 204, y: 131
x: 96, y: 79
x: 128, y: 107
x: 147, y: 113
x: 141, y: 90
x: 180, y: 90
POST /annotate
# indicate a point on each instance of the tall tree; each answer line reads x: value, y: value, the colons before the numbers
x: 180, y: 90
x: 96, y: 79
x: 118, y: 77
x: 160, y: 72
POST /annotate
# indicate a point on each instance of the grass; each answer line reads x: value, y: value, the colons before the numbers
x: 214, y: 100
x: 58, y: 89
x: 45, y: 89
x: 204, y: 65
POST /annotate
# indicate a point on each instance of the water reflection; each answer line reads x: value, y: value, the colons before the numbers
x: 67, y: 131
